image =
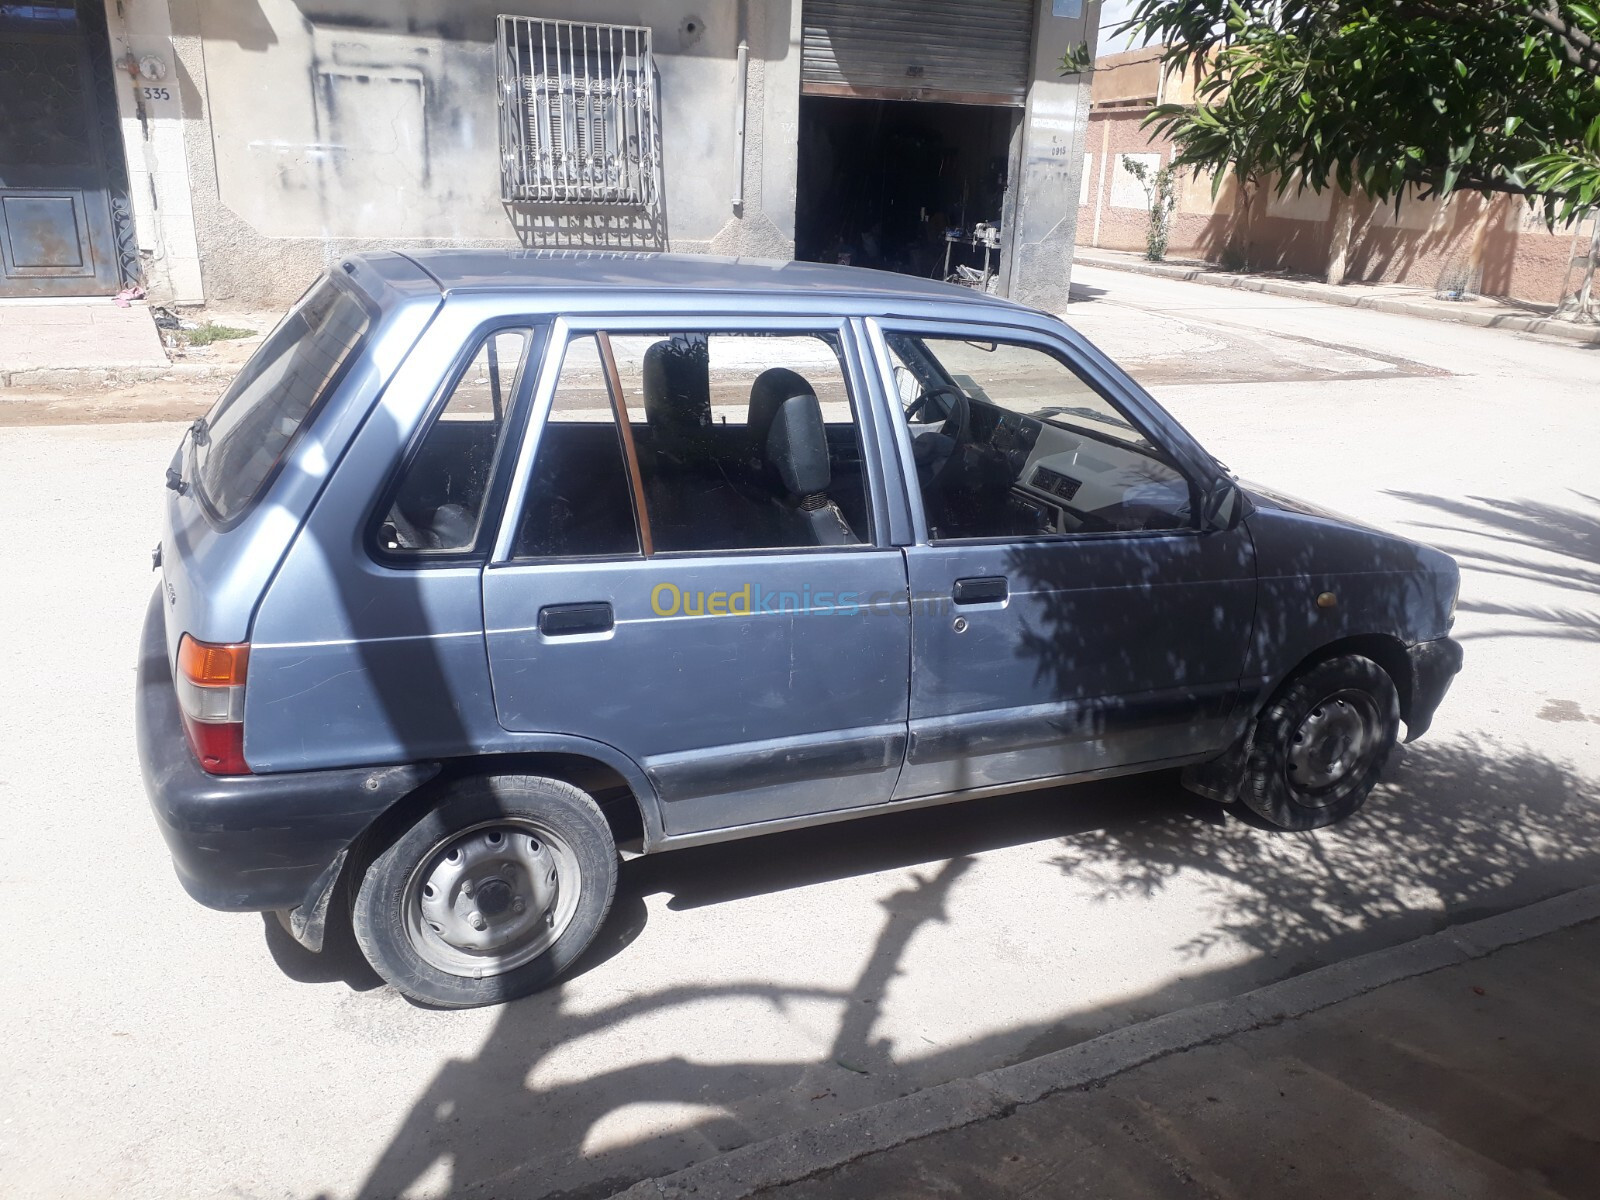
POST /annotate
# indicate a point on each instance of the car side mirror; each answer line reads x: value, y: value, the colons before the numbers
x: 1225, y: 506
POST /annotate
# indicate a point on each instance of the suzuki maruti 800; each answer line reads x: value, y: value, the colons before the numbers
x: 490, y: 565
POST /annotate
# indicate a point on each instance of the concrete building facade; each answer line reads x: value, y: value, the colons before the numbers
x: 258, y: 141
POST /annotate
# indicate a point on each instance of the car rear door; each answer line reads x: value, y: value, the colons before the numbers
x: 1041, y: 654
x: 643, y: 594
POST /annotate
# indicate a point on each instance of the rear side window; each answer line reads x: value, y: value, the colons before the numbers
x: 440, y: 502
x: 250, y: 428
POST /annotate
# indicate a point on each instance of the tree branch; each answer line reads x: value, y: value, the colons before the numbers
x: 1581, y: 49
x: 1578, y: 47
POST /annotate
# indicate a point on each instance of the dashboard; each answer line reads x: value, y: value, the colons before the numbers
x: 1086, y: 480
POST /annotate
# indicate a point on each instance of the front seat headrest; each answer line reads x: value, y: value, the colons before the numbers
x: 791, y: 438
x: 677, y: 394
x: 767, y: 394
x: 795, y: 441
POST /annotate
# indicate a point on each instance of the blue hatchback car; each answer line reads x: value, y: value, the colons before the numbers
x: 490, y: 565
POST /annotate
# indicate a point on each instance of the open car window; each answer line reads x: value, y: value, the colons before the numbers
x: 706, y: 440
x: 1022, y: 380
x: 1010, y: 442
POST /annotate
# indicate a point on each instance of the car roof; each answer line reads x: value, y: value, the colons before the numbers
x: 503, y: 270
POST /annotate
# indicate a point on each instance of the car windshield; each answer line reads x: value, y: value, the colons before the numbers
x: 1031, y: 384
x: 1065, y: 415
x: 247, y: 431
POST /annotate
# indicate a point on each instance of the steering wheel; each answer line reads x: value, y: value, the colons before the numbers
x: 936, y: 452
x: 954, y: 398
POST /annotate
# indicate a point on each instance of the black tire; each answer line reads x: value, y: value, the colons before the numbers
x: 549, y: 895
x: 1321, y: 744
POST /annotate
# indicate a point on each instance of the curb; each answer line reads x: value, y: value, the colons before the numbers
x: 1515, y: 322
x: 791, y: 1157
x: 53, y: 378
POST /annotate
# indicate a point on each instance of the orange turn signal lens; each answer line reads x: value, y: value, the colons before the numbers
x: 212, y: 666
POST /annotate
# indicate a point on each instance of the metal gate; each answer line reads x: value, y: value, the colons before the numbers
x: 962, y: 51
x: 65, y: 222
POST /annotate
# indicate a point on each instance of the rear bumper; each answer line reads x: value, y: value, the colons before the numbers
x: 1434, y: 666
x: 248, y: 842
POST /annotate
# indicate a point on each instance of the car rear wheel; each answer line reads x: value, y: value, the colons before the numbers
x: 492, y: 894
x: 1322, y: 743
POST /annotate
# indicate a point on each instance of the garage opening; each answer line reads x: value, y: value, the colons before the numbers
x: 913, y: 186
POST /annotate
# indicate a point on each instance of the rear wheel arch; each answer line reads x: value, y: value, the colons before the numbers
x: 616, y: 784
x: 619, y: 787
x: 493, y: 892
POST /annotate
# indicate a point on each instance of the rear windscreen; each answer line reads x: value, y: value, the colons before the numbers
x: 284, y: 382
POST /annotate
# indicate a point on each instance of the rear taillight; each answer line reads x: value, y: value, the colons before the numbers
x: 210, y: 683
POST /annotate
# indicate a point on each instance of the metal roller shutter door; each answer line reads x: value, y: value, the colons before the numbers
x: 973, y: 51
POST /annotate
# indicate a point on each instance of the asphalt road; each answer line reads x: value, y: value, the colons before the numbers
x: 155, y: 1048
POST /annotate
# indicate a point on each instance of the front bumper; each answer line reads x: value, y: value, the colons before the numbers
x: 248, y: 842
x: 1434, y: 666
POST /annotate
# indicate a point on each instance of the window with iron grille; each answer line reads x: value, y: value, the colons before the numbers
x: 577, y: 114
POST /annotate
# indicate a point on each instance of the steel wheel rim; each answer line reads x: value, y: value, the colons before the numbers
x: 492, y: 898
x: 1333, y: 745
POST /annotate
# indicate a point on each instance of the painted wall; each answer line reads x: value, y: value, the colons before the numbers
x: 1425, y: 244
x: 318, y: 127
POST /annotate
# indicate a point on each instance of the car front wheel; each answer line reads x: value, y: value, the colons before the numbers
x: 491, y: 895
x: 1322, y: 743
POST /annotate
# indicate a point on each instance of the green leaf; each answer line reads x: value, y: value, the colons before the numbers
x: 1382, y: 95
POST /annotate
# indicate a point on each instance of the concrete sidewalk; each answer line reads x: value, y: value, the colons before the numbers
x: 69, y: 362
x: 1379, y: 297
x: 1463, y: 1064
x: 89, y: 336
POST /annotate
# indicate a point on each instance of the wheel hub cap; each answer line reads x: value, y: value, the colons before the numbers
x: 492, y: 898
x: 1333, y: 744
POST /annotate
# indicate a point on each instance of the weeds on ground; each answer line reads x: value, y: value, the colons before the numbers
x: 208, y: 331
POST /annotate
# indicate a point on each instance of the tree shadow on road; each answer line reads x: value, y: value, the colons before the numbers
x: 1462, y: 830
x: 1526, y: 541
x: 498, y: 1134
x: 1519, y: 526
x: 1456, y: 832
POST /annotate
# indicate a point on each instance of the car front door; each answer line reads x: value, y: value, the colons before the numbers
x: 1074, y: 610
x: 693, y: 568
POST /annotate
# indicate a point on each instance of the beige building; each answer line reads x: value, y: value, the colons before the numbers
x: 227, y: 151
x: 1495, y: 247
